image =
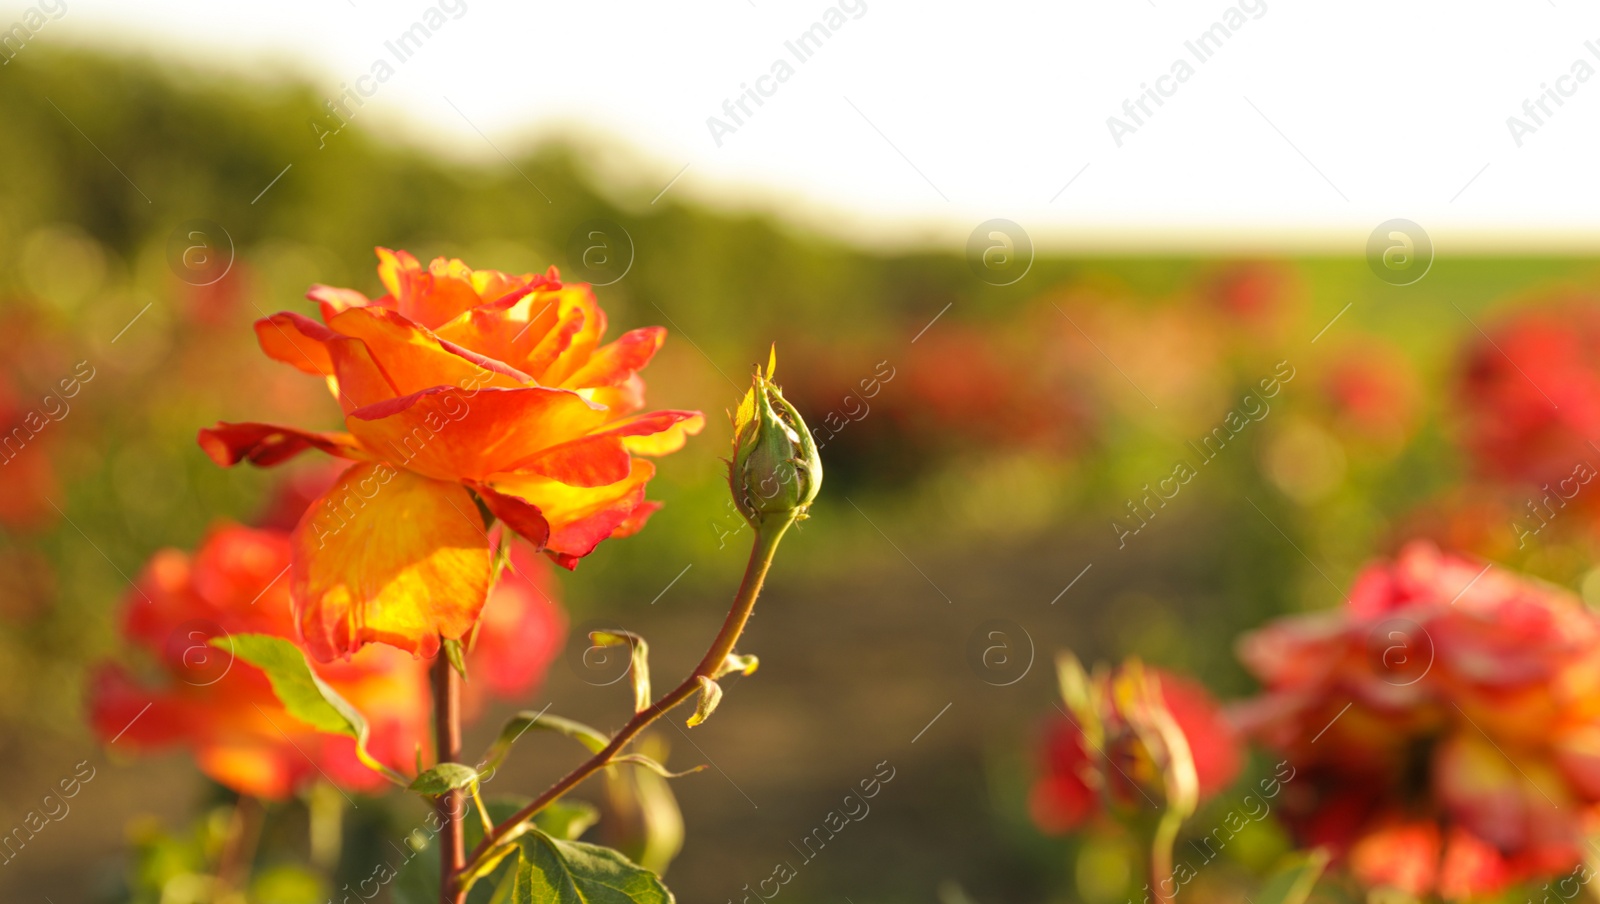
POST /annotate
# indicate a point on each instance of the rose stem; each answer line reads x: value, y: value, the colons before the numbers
x: 755, y: 573
x: 238, y: 850
x: 450, y: 806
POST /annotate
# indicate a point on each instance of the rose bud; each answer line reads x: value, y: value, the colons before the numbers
x: 775, y: 471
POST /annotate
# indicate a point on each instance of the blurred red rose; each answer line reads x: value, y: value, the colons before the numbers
x: 198, y: 697
x: 1260, y: 296
x: 1371, y: 391
x: 1125, y: 762
x: 1445, y: 724
x: 521, y: 631
x: 1530, y: 392
x: 224, y: 709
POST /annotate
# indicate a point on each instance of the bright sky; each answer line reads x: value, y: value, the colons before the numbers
x: 1304, y: 124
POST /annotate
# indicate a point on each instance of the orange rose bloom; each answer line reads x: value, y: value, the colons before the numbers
x: 458, y: 387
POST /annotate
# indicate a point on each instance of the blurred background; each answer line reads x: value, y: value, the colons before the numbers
x: 1005, y: 381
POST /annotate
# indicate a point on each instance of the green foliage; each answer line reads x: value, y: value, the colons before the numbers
x: 642, y: 817
x: 287, y: 883
x: 417, y: 881
x: 639, y: 759
x: 444, y: 778
x: 566, y: 819
x: 552, y: 871
x: 639, y: 665
x: 710, y: 696
x: 525, y: 721
x: 172, y: 866
x: 1295, y: 880
x: 306, y: 697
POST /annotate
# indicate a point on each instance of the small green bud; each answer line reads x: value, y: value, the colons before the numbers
x: 775, y: 471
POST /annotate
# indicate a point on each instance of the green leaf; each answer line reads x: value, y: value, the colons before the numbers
x: 1294, y: 882
x: 302, y: 693
x: 648, y: 826
x: 566, y: 819
x: 639, y: 759
x: 640, y: 667
x: 710, y: 696
x: 519, y: 725
x: 418, y: 879
x: 735, y: 662
x: 552, y: 871
x: 457, y: 656
x: 443, y: 778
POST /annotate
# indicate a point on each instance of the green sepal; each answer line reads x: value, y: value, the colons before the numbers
x: 710, y: 696
x: 736, y: 662
x: 639, y: 667
x: 454, y: 652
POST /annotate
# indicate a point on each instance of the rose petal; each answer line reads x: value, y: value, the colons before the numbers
x: 296, y: 340
x: 415, y: 359
x: 518, y: 514
x: 615, y: 362
x: 265, y: 445
x: 580, y: 517
x: 567, y: 347
x: 636, y: 519
x: 674, y: 429
x: 331, y: 300
x: 430, y: 297
x: 593, y: 461
x: 456, y: 434
x: 388, y: 556
x: 602, y: 457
